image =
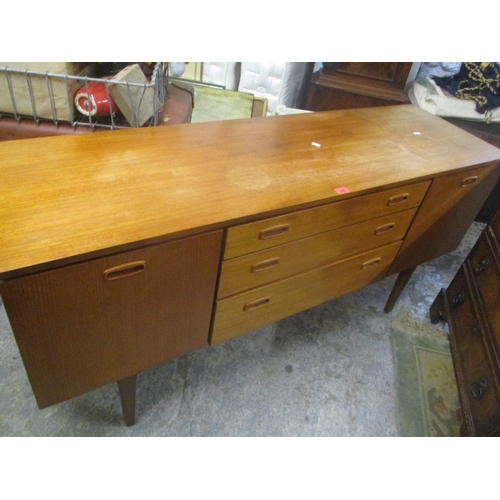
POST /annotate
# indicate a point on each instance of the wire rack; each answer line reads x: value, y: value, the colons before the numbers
x: 56, y: 94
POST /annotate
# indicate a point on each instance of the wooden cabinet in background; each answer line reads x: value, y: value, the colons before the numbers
x: 470, y: 306
x: 358, y: 85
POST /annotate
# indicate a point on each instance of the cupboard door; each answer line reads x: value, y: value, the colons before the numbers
x: 86, y: 325
x: 448, y: 210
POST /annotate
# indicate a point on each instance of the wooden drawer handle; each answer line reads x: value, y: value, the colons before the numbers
x: 371, y: 263
x: 399, y: 198
x: 265, y: 264
x: 273, y: 231
x: 385, y: 228
x: 124, y: 271
x: 256, y: 303
x: 469, y: 180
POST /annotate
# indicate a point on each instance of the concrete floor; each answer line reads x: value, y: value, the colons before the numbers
x: 325, y: 372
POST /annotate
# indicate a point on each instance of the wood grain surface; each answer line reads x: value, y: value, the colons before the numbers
x: 64, y: 199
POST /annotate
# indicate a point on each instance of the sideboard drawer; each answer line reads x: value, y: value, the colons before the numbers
x: 256, y: 269
x: 275, y: 231
x: 247, y: 311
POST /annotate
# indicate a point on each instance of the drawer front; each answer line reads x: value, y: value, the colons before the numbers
x: 494, y: 228
x: 266, y: 266
x: 269, y: 233
x: 250, y: 310
x: 486, y: 273
x: 477, y: 385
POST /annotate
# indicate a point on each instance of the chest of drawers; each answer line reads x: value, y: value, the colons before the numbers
x: 122, y: 250
x: 470, y: 305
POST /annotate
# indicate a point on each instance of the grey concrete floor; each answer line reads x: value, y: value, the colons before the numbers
x: 325, y: 372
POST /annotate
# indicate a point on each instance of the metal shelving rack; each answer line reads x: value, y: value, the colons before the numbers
x: 158, y: 84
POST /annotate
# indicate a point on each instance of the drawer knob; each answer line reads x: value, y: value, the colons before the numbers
x: 265, y: 264
x: 478, y: 389
x: 476, y: 329
x: 468, y: 180
x: 124, y: 271
x: 274, y: 231
x: 482, y: 265
x: 385, y: 228
x: 256, y: 303
x: 399, y: 198
x: 458, y: 299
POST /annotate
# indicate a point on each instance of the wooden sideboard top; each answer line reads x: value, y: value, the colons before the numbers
x: 69, y: 197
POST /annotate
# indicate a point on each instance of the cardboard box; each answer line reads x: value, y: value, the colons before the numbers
x: 136, y: 102
x: 259, y: 106
x: 52, y: 96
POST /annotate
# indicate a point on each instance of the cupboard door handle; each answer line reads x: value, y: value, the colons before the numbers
x: 469, y: 180
x: 371, y: 263
x: 265, y: 264
x: 399, y: 198
x: 124, y: 271
x: 478, y: 390
x: 274, y: 231
x: 385, y: 228
x: 256, y: 303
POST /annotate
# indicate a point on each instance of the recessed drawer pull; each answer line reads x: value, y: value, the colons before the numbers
x: 482, y: 265
x: 371, y: 263
x: 469, y: 180
x: 265, y: 264
x: 385, y: 228
x: 399, y: 198
x: 256, y: 303
x: 478, y: 389
x: 274, y: 231
x: 124, y: 271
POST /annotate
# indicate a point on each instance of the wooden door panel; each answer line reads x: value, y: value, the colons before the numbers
x: 448, y: 210
x: 86, y: 325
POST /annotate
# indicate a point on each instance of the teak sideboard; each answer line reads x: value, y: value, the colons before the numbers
x: 125, y: 249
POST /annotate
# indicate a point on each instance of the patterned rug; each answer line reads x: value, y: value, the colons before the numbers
x: 427, y: 396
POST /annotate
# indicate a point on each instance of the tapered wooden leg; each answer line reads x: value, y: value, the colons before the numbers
x: 127, y: 388
x: 398, y: 287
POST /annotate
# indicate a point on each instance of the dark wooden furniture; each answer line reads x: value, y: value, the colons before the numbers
x: 471, y: 307
x: 357, y: 85
x: 121, y: 250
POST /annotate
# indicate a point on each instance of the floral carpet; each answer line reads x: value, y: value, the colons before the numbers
x: 427, y: 395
